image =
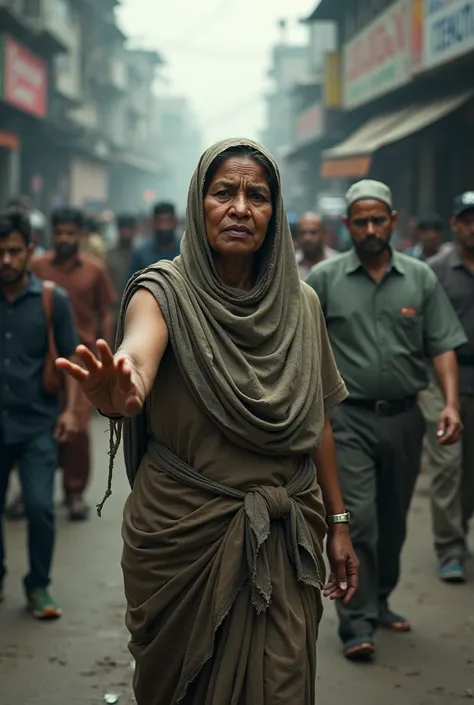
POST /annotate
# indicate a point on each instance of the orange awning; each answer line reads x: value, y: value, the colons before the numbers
x: 346, y: 168
x: 9, y: 140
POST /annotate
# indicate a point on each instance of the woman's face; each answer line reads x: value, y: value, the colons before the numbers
x: 238, y: 207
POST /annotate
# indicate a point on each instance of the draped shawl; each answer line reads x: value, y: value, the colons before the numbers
x: 248, y: 357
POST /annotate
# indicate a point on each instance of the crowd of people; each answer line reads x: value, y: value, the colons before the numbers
x: 273, y: 393
x: 40, y: 431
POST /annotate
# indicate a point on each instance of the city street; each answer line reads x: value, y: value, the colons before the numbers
x: 84, y: 656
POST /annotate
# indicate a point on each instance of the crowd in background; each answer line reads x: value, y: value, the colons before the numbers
x: 90, y: 258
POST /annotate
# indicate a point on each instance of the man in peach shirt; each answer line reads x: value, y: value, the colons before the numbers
x: 92, y: 294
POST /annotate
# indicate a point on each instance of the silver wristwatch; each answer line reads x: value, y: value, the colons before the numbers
x: 344, y: 518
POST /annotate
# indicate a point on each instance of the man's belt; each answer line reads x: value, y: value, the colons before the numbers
x: 383, y: 407
x: 465, y: 360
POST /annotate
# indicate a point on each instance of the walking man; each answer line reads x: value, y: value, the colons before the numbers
x: 430, y: 238
x: 118, y: 257
x: 452, y: 467
x: 163, y: 243
x: 311, y: 248
x: 91, y: 292
x: 386, y: 315
x: 31, y: 423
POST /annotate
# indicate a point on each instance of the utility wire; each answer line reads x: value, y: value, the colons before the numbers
x: 216, y: 14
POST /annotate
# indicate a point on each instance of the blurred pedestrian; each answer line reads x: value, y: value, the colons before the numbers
x: 32, y: 423
x: 92, y: 242
x: 223, y: 532
x: 452, y: 467
x: 118, y: 257
x: 386, y: 315
x: 38, y: 231
x: 92, y: 294
x: 163, y: 244
x: 311, y: 246
x: 430, y: 238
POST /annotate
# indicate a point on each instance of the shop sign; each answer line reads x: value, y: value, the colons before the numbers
x: 24, y: 81
x: 332, y: 81
x: 417, y: 28
x: 448, y: 30
x: 378, y: 59
x: 310, y: 124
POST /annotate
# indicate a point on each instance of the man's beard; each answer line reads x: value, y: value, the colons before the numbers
x: 311, y: 252
x: 164, y: 237
x: 66, y: 251
x: 372, y: 245
x: 10, y: 277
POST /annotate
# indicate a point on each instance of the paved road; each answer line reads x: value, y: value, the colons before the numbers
x: 83, y: 656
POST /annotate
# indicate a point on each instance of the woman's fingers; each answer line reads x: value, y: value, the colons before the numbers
x: 88, y: 358
x: 106, y: 355
x: 70, y: 368
x: 349, y: 595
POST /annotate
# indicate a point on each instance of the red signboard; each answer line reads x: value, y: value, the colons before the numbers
x: 25, y: 79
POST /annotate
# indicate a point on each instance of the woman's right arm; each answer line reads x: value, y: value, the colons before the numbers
x: 145, y: 340
x: 119, y: 384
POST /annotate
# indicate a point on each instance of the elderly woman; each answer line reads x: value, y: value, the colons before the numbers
x: 224, y: 375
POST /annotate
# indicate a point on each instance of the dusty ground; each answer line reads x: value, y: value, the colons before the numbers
x: 79, y: 659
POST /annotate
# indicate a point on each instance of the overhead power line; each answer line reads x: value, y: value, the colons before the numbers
x: 205, y: 21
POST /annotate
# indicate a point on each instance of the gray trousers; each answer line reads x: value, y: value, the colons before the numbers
x: 452, y: 477
x: 379, y: 461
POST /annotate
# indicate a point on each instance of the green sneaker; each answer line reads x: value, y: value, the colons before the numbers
x: 42, y: 606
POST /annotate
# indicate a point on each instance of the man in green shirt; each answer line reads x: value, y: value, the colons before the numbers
x: 387, y: 316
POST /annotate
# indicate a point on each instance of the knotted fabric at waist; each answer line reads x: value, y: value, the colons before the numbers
x: 261, y: 506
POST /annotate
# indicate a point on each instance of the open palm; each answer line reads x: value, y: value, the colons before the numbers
x: 108, y: 382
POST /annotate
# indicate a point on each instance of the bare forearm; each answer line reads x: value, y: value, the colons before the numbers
x: 446, y: 368
x: 145, y: 340
x: 326, y: 464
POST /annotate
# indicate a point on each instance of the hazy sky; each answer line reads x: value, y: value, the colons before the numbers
x: 217, y: 54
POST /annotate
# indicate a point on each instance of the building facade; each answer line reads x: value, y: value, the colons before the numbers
x: 75, y: 107
x: 406, y: 99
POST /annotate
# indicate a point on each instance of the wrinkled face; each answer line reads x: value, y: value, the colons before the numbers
x: 15, y: 257
x: 310, y: 235
x: 463, y: 228
x: 66, y: 239
x: 238, y: 207
x: 370, y: 225
x: 430, y: 239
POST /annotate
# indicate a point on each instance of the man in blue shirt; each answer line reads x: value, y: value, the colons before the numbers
x: 31, y: 421
x: 163, y: 244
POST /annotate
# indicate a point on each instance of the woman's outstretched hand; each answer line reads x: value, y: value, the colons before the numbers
x: 110, y: 383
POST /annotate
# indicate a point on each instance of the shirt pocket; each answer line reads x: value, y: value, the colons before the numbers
x: 410, y: 332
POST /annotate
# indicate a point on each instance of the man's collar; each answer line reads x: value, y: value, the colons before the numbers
x: 33, y: 286
x: 354, y: 264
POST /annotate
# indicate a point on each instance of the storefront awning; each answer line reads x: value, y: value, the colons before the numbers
x: 352, y: 158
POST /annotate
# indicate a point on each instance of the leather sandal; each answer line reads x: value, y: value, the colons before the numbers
x: 359, y: 648
x: 394, y: 622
